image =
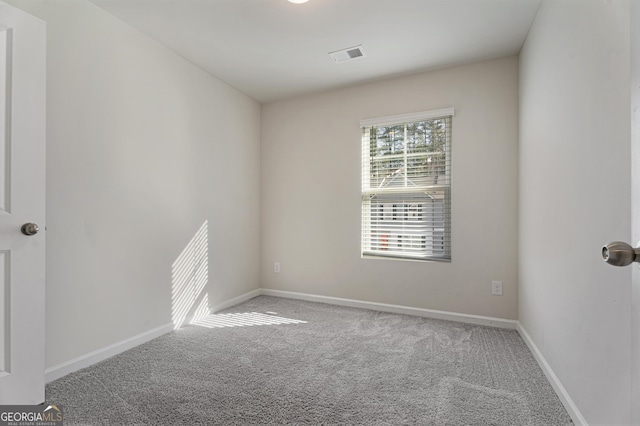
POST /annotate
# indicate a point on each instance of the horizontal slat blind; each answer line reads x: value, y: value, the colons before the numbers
x: 406, y: 188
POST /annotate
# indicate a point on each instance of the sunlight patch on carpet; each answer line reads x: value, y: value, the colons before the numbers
x: 242, y: 320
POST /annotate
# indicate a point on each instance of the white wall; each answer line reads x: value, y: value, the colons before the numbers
x: 311, y: 192
x: 143, y: 148
x: 574, y: 197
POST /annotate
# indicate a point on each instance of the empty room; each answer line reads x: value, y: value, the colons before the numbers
x: 320, y: 212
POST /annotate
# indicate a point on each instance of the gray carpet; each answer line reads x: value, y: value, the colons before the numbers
x: 302, y: 363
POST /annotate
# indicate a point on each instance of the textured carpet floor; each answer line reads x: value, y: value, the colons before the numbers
x: 305, y: 363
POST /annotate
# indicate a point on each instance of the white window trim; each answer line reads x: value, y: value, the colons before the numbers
x: 406, y: 118
x: 390, y: 121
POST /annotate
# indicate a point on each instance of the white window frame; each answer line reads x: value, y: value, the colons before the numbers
x: 405, y: 245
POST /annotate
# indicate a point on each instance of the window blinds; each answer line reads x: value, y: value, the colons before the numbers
x: 406, y: 186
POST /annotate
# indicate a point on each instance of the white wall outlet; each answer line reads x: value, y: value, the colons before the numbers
x: 496, y: 288
x: 276, y: 267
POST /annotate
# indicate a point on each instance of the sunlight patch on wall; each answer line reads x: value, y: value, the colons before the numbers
x: 189, y: 276
x: 243, y: 320
x: 202, y: 311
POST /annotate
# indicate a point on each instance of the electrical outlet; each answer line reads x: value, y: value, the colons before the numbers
x: 276, y: 267
x: 496, y: 288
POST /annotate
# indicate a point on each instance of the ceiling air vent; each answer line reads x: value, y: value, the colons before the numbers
x: 347, y: 54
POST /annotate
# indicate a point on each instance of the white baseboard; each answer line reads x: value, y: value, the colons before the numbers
x: 60, y: 370
x: 235, y: 301
x: 562, y: 393
x: 396, y: 309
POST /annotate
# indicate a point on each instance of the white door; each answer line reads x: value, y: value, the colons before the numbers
x: 22, y: 186
x: 635, y: 208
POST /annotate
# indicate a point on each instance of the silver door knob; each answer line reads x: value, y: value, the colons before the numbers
x: 618, y: 253
x: 29, y: 229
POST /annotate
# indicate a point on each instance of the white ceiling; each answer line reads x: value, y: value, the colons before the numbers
x: 272, y: 49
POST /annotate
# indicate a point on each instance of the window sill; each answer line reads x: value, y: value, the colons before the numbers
x: 406, y: 259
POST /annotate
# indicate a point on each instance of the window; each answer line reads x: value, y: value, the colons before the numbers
x: 406, y: 186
